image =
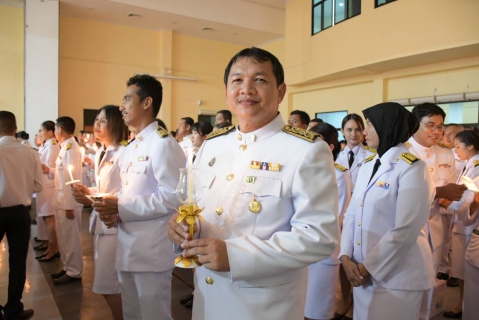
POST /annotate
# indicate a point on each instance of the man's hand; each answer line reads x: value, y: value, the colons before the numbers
x: 179, y: 232
x: 107, y: 207
x: 87, y: 160
x: 45, y: 168
x: 109, y: 220
x: 352, y: 271
x: 451, y: 191
x: 79, y: 192
x: 69, y: 214
x: 211, y: 253
x: 444, y: 203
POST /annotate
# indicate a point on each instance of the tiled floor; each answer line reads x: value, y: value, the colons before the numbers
x: 76, y: 301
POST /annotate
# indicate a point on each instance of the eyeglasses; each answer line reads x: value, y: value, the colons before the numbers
x: 433, y: 127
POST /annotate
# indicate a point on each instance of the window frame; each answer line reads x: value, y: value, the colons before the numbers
x: 333, y: 16
x: 376, y: 5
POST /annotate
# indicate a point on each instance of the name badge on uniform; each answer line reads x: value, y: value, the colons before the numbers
x: 268, y: 166
x: 143, y: 158
x: 383, y: 185
x: 444, y: 166
x: 108, y: 163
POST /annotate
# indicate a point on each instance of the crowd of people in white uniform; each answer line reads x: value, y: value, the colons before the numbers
x: 294, y: 226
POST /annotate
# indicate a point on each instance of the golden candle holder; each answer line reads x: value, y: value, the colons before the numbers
x: 188, y: 213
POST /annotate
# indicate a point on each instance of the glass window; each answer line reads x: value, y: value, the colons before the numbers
x: 466, y: 112
x: 327, y: 13
x: 333, y: 118
x: 383, y: 2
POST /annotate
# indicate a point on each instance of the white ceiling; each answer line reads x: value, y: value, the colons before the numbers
x: 245, y: 22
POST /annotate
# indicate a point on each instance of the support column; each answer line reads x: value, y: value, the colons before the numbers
x: 41, y: 63
x: 165, y: 63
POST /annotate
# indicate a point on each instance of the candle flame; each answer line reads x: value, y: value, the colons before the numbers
x: 70, y: 167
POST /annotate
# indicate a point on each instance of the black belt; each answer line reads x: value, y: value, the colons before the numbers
x: 20, y: 206
x: 475, y: 231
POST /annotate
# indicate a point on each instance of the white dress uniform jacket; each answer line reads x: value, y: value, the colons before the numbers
x: 361, y: 153
x: 383, y: 225
x: 149, y: 172
x: 442, y: 169
x: 269, y: 250
x: 186, y: 144
x: 46, y: 199
x: 17, y: 189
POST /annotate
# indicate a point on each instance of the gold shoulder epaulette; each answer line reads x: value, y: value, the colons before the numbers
x: 370, y: 149
x: 124, y: 143
x: 371, y: 157
x: 340, y: 167
x: 220, y: 132
x: 444, y: 145
x: 54, y: 142
x: 69, y: 145
x: 300, y: 133
x: 161, y: 131
x: 476, y: 163
x: 409, y: 158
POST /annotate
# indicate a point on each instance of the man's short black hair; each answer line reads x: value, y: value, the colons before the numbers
x: 260, y: 56
x: 188, y: 121
x: 428, y: 109
x: 67, y: 124
x: 8, y: 123
x: 302, y: 115
x: 226, y: 115
x: 317, y: 120
x: 148, y: 86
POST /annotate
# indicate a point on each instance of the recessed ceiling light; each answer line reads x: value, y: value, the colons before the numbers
x: 207, y: 29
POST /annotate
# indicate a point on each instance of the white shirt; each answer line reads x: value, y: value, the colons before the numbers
x: 269, y: 250
x: 48, y: 155
x: 20, y: 173
x: 149, y: 170
x: 361, y: 153
x: 186, y: 144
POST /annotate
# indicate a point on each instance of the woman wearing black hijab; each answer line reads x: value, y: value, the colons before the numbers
x: 384, y: 246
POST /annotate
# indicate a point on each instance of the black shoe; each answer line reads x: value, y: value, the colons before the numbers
x: 187, y: 298
x: 453, y: 282
x: 189, y: 304
x: 44, y: 259
x: 37, y: 240
x: 346, y: 318
x: 40, y: 248
x: 65, y: 279
x: 41, y: 256
x: 59, y: 274
x: 442, y: 276
x: 34, y: 221
x: 21, y: 315
x: 452, y: 314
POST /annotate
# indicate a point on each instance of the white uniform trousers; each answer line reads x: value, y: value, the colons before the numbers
x: 69, y: 242
x: 106, y: 277
x: 471, y: 292
x: 146, y: 295
x: 458, y: 254
x: 42, y: 230
x: 445, y: 264
x: 376, y: 303
x: 321, y: 293
x: 427, y: 295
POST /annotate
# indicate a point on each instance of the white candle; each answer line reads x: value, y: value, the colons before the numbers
x: 190, y: 175
x: 70, y: 168
x: 98, y: 185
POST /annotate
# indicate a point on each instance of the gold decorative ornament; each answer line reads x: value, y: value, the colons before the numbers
x: 189, y: 213
x: 254, y: 206
x: 243, y: 147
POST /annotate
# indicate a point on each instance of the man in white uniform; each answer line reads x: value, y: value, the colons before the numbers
x: 20, y: 177
x: 223, y: 116
x: 149, y: 172
x: 264, y: 222
x: 446, y: 215
x: 185, y: 131
x: 440, y: 160
x: 299, y: 119
x: 68, y: 213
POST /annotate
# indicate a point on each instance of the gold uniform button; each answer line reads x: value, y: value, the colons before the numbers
x: 219, y: 210
x: 359, y: 223
x: 243, y: 147
x: 136, y: 146
x: 428, y: 155
x: 230, y: 177
x: 239, y: 136
x: 361, y: 204
x: 359, y: 243
x: 209, y: 281
x: 431, y: 169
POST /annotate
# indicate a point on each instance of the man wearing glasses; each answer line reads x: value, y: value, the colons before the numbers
x: 424, y: 145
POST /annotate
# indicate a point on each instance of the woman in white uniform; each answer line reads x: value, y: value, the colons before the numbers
x: 323, y: 276
x: 466, y: 146
x: 111, y: 130
x: 384, y: 248
x: 354, y: 154
x: 45, y: 199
